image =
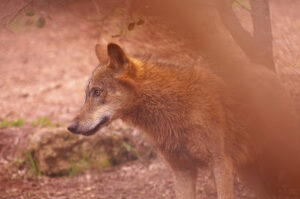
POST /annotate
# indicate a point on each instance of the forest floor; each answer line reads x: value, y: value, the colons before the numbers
x: 43, y: 72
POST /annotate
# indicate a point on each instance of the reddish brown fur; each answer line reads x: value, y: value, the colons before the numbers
x: 196, y: 119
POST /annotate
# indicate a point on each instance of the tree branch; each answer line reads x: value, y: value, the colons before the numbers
x: 14, y: 15
x: 259, y: 46
x: 262, y: 32
x: 242, y: 37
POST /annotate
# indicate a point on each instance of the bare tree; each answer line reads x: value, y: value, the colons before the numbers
x: 196, y: 18
x: 258, y: 46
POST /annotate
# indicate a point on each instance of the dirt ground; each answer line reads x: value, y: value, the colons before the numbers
x: 43, y: 72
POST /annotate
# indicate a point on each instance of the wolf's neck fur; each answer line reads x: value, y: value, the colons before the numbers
x: 165, y: 97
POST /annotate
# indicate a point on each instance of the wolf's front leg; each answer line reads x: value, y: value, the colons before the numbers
x: 185, y: 176
x: 185, y: 183
x: 222, y: 170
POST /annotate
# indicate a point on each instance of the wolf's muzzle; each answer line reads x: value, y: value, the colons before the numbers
x: 73, y: 127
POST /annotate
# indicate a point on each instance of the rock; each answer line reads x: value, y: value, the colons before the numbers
x: 55, y: 151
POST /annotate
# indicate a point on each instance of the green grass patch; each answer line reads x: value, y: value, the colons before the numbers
x: 18, y: 122
x: 45, y: 121
x: 42, y: 121
x: 76, y: 167
x: 33, y: 164
x: 131, y: 148
x: 5, y: 123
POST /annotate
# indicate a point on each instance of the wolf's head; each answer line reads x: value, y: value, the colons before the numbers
x: 109, y: 91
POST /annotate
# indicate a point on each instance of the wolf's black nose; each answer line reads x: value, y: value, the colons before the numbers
x: 73, y: 127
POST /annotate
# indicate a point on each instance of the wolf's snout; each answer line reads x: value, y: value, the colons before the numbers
x: 73, y: 127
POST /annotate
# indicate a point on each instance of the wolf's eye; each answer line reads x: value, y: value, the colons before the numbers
x: 97, y: 92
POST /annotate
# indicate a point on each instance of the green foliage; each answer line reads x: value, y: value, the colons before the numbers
x: 130, y: 148
x: 19, y: 161
x: 131, y: 26
x: 30, y: 13
x: 45, y: 121
x: 42, y: 121
x: 242, y: 4
x: 33, y: 164
x: 85, y: 163
x: 140, y: 22
x: 29, y: 19
x: 127, y: 146
x: 41, y: 22
x: 75, y: 168
x: 5, y: 123
x: 106, y: 163
x: 58, y: 124
x: 18, y: 122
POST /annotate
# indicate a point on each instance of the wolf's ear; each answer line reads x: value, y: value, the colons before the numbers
x: 118, y: 58
x: 100, y: 53
x: 120, y: 63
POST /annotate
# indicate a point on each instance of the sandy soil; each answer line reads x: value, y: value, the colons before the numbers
x: 43, y: 72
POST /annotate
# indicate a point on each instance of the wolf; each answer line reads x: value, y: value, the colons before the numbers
x: 197, y: 119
